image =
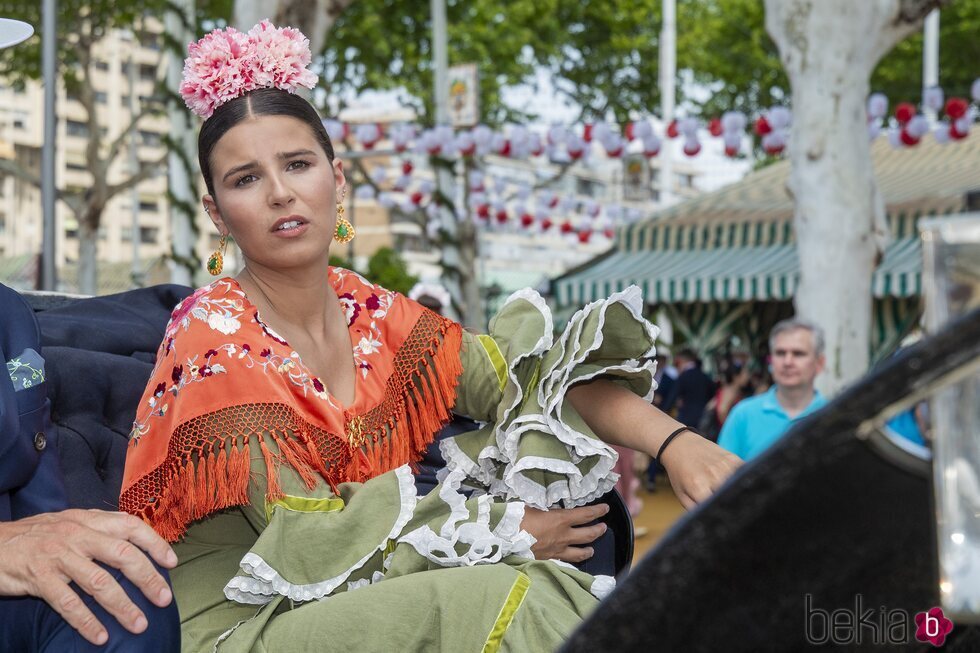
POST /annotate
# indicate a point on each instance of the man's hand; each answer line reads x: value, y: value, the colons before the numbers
x: 557, y: 530
x: 44, y: 553
x: 697, y: 467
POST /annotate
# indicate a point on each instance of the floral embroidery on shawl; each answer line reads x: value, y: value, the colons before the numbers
x: 223, y: 379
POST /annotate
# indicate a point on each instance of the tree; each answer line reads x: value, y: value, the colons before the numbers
x: 603, y: 56
x: 725, y: 46
x: 387, y: 45
x: 829, y: 49
x: 81, y: 24
x: 315, y: 22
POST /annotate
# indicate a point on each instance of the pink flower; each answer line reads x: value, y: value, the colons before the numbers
x: 226, y: 63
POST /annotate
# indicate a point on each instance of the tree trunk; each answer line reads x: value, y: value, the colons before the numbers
x: 88, y: 242
x: 829, y: 49
x: 469, y: 282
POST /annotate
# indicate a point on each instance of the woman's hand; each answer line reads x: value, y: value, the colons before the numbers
x: 697, y: 467
x: 557, y: 530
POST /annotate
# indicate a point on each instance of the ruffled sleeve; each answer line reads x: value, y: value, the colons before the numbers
x: 535, y: 447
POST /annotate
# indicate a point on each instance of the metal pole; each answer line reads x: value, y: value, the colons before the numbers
x: 134, y: 164
x: 182, y: 234
x: 668, y: 72
x: 444, y: 179
x: 49, y: 27
x: 930, y: 57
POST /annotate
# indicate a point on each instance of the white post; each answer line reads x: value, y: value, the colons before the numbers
x: 134, y: 163
x: 930, y: 57
x: 49, y: 266
x: 668, y: 72
x: 444, y: 178
x: 181, y: 186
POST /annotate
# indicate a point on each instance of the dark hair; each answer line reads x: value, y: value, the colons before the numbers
x: 261, y: 102
x: 731, y: 371
x: 688, y: 354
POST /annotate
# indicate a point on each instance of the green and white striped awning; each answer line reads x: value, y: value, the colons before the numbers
x: 761, y: 273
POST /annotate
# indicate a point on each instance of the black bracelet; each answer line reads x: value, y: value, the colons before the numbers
x: 670, y: 438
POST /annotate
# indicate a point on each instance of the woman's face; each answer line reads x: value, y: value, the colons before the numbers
x: 275, y: 192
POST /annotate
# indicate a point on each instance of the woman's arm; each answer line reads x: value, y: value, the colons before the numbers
x: 696, y: 466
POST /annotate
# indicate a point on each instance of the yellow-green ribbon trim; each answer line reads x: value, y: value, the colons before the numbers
x: 303, y: 504
x: 496, y: 358
x: 513, y: 603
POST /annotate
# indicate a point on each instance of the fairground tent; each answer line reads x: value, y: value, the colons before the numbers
x: 725, y: 263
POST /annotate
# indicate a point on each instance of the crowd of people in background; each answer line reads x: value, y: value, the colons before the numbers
x: 746, y: 404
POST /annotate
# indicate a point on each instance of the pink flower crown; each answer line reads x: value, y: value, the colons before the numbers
x: 226, y: 64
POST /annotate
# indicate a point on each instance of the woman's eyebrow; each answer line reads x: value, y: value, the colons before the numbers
x: 255, y: 164
x: 289, y: 155
x: 241, y: 168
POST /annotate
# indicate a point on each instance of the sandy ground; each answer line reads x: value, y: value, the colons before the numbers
x: 660, y: 510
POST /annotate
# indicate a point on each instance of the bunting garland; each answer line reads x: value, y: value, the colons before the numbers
x: 497, y: 204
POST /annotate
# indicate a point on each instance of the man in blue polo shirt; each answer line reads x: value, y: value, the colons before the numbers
x: 796, y: 347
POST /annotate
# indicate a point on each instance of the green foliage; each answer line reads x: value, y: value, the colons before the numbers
x: 899, y: 75
x: 80, y: 24
x: 387, y: 45
x: 725, y: 44
x: 387, y: 269
x: 339, y: 262
x: 603, y: 56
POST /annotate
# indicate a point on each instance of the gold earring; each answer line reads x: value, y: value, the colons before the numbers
x: 345, y: 230
x: 216, y: 262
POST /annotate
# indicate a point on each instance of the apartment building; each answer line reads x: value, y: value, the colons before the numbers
x: 143, y: 212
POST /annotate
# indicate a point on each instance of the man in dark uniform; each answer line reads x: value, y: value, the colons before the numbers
x: 694, y: 388
x: 70, y: 580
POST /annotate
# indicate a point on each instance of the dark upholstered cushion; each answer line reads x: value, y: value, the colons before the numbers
x: 99, y: 354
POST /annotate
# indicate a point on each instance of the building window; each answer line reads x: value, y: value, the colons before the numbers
x: 101, y: 98
x: 71, y: 233
x: 3, y: 223
x: 148, y: 235
x: 19, y: 123
x: 687, y: 181
x: 102, y: 65
x: 150, y: 41
x: 148, y: 72
x: 149, y: 206
x: 587, y: 187
x: 76, y: 128
x: 149, y: 139
x: 79, y: 167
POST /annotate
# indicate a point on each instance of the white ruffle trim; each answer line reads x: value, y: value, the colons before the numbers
x: 375, y: 578
x: 602, y: 586
x: 579, y: 489
x: 485, y: 546
x: 544, y: 343
x: 262, y: 581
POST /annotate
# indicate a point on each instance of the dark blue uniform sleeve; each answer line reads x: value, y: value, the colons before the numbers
x: 30, y: 474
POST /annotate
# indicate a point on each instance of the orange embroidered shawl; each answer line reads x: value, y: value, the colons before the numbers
x: 222, y: 378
